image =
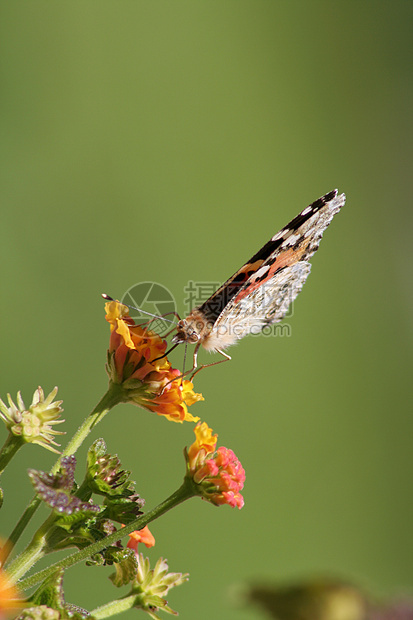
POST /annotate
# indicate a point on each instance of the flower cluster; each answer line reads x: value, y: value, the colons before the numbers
x: 137, y: 361
x: 218, y: 474
x: 33, y: 424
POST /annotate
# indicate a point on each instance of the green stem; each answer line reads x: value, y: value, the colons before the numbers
x: 11, y: 445
x: 35, y: 550
x: 183, y: 493
x: 112, y: 397
x: 114, y: 607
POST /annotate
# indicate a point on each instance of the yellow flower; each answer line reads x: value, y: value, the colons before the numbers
x: 174, y: 400
x: 137, y: 361
x: 188, y: 394
x: 204, y: 444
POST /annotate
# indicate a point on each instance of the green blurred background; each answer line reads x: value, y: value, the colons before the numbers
x: 166, y: 141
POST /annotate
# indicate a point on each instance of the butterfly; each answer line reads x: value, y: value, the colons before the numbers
x: 260, y: 293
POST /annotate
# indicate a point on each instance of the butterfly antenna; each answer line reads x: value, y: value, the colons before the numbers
x: 165, y: 354
x: 155, y: 316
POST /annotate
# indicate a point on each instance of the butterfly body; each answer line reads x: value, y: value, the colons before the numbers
x: 260, y: 293
x: 197, y: 329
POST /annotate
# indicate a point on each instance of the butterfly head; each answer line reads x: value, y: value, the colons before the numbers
x: 185, y: 332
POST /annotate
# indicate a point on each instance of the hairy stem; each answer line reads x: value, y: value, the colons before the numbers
x: 11, y: 445
x: 114, y: 607
x: 183, y: 493
x: 34, y: 551
x: 112, y: 397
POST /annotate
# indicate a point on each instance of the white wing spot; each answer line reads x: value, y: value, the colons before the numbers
x: 290, y: 240
x: 261, y: 271
x: 279, y: 234
x: 307, y: 210
x: 309, y: 232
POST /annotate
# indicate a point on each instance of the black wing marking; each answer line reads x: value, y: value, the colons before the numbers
x: 266, y: 256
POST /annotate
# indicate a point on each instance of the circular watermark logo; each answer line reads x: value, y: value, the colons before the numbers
x: 155, y: 299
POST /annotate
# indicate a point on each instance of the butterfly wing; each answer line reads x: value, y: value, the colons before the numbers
x: 262, y: 290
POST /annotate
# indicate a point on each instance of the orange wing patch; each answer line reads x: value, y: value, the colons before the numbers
x: 285, y: 259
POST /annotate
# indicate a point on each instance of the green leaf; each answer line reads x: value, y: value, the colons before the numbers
x: 50, y: 593
x: 81, y: 517
x: 105, y: 475
x: 122, y: 510
x: 108, y: 556
x: 50, y: 597
x: 125, y: 569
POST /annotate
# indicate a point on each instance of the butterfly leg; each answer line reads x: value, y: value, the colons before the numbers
x: 187, y: 372
x: 195, y: 366
x: 226, y: 356
x: 178, y: 378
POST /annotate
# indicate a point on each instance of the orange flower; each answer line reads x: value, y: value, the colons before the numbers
x: 218, y: 475
x: 136, y: 360
x: 141, y: 536
x: 175, y: 398
x: 9, y: 596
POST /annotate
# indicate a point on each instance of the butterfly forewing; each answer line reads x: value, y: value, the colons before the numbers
x: 261, y: 292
